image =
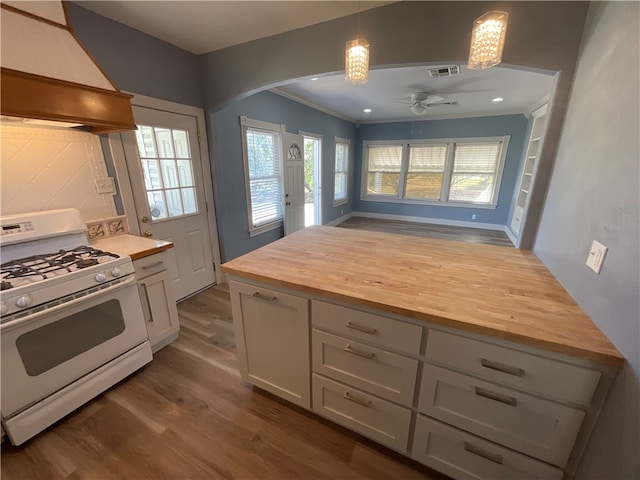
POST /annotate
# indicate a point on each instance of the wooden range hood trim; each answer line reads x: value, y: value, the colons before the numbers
x: 34, y: 96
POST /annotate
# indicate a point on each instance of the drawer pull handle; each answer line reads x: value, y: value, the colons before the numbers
x: 498, y: 397
x: 501, y: 367
x: 360, y: 353
x: 151, y: 265
x: 265, y: 297
x: 359, y: 401
x: 493, y: 457
x: 360, y: 328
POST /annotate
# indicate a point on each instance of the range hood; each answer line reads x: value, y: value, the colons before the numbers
x: 48, y: 75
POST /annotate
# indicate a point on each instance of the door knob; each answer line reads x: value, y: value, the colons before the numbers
x: 144, y: 219
x: 147, y: 233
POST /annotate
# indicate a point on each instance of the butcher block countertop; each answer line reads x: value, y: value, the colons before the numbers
x: 131, y: 245
x: 501, y: 292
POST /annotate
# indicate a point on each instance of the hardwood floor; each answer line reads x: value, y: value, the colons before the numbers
x: 446, y: 232
x: 189, y: 415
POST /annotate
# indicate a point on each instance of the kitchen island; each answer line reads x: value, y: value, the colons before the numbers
x: 461, y: 356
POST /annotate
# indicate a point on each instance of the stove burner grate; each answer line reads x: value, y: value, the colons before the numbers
x: 59, y: 262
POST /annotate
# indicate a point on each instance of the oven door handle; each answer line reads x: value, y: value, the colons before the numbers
x: 48, y: 311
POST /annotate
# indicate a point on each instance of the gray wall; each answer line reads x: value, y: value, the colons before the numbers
x: 594, y: 194
x: 228, y: 167
x: 137, y: 62
x: 512, y: 125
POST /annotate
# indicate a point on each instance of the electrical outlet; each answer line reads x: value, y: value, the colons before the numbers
x: 596, y: 256
x: 473, y: 216
x: 105, y: 185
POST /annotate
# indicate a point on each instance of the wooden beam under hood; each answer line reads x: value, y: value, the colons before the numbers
x: 32, y: 96
x: 37, y: 83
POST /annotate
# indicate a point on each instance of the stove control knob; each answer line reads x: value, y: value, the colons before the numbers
x: 101, y: 277
x: 116, y: 272
x: 3, y: 308
x: 24, y: 301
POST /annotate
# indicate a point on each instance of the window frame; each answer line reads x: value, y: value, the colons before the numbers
x: 443, y: 201
x: 341, y: 141
x: 250, y: 124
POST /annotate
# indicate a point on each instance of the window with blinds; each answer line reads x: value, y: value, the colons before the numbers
x: 265, y: 175
x: 425, y: 173
x: 340, y: 190
x: 475, y: 167
x: 384, y: 165
x: 460, y: 171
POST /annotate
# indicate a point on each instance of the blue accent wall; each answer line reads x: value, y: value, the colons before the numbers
x: 137, y: 62
x: 513, y: 125
x: 228, y: 170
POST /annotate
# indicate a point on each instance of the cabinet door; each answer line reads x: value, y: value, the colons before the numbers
x: 272, y: 335
x: 159, y: 308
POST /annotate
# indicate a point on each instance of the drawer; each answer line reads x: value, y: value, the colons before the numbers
x: 547, y: 377
x: 367, y: 327
x: 534, y: 426
x: 378, y: 419
x: 149, y: 265
x: 377, y: 371
x: 460, y: 455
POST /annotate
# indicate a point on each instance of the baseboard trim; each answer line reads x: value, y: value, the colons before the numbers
x: 430, y: 220
x: 339, y: 220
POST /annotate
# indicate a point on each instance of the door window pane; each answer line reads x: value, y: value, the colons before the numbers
x: 169, y: 182
x: 169, y: 173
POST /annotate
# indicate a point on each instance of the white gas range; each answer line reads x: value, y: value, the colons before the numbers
x: 71, y: 321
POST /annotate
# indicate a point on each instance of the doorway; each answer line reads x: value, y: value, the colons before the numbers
x: 312, y: 179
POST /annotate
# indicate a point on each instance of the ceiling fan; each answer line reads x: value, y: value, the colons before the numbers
x: 420, y: 101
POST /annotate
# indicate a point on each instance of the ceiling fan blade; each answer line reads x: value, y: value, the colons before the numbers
x: 442, y: 104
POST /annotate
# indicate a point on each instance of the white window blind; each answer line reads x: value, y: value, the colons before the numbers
x: 340, y: 191
x: 474, y: 172
x: 265, y: 176
x: 425, y: 173
x: 383, y: 169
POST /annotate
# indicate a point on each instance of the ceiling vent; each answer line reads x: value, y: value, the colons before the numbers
x: 48, y: 75
x: 439, y: 72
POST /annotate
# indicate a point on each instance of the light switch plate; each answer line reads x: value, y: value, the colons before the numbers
x: 596, y: 256
x: 105, y: 185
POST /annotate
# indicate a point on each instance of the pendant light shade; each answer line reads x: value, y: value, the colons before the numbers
x: 487, y: 40
x: 356, y: 61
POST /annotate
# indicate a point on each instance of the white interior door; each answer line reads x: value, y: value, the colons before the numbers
x: 165, y: 169
x: 293, y: 182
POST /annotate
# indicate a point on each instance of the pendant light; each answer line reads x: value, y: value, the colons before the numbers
x: 487, y: 40
x: 356, y: 59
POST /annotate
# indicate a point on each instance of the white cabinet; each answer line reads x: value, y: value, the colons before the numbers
x: 467, y: 405
x: 158, y: 301
x: 272, y: 336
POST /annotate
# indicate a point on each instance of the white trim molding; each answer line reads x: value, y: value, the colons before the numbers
x: 339, y: 220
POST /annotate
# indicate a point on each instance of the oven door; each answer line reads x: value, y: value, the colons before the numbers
x: 49, y: 349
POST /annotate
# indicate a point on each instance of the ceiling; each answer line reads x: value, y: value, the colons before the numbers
x: 388, y: 93
x: 204, y: 26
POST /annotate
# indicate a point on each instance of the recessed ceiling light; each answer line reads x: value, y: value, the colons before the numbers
x: 497, y: 99
x: 367, y: 110
x: 314, y: 79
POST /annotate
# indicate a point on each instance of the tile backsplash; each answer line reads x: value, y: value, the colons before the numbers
x: 50, y: 168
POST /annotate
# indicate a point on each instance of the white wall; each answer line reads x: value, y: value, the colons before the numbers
x: 51, y: 168
x: 594, y: 194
